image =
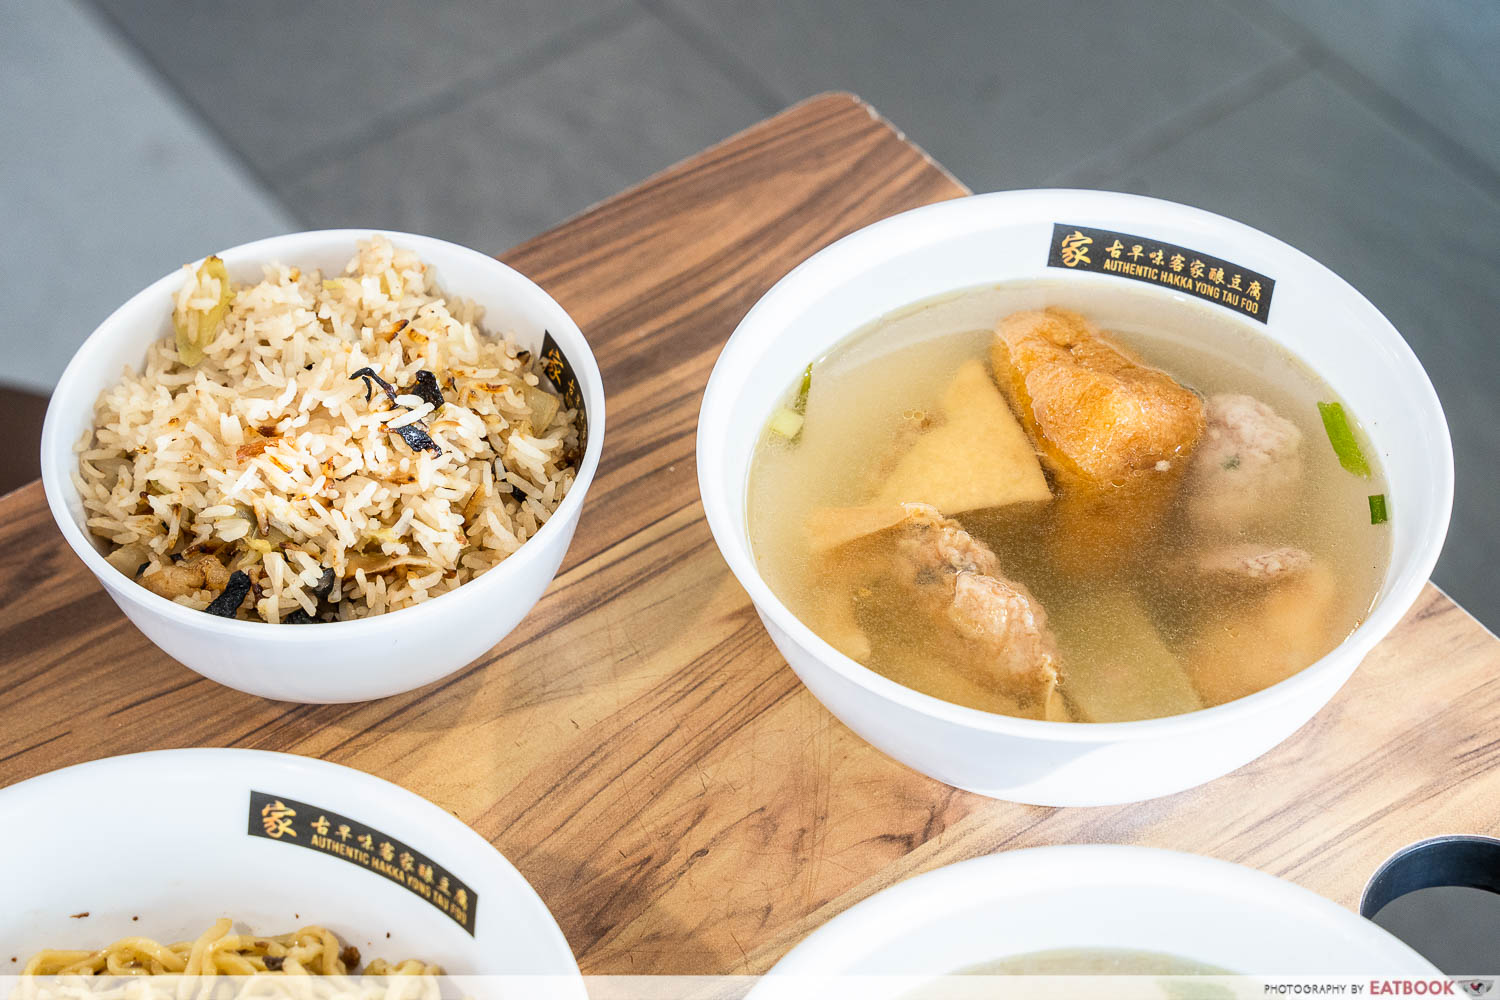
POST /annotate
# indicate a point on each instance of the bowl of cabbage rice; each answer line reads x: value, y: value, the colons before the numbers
x: 329, y: 466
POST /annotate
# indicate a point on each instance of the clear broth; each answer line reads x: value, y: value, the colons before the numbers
x: 1148, y: 624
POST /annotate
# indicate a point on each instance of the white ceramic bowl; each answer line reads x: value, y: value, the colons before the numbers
x: 1094, y: 896
x: 334, y: 661
x: 163, y: 837
x: 991, y: 238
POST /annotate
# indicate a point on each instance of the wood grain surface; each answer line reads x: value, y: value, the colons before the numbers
x: 637, y: 747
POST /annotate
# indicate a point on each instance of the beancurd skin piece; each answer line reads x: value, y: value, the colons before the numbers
x: 1115, y: 434
x: 1121, y: 672
x: 977, y: 456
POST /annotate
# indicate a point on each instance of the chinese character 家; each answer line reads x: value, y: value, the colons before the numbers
x: 1075, y: 249
x: 276, y: 817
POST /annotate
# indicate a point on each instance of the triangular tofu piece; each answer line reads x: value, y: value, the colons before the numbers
x: 977, y: 457
x: 830, y: 527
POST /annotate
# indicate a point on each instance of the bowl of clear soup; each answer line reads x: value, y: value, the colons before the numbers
x: 1071, y: 497
x: 1087, y: 910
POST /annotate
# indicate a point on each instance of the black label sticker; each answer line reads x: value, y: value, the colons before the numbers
x: 1080, y: 248
x: 557, y: 368
x: 288, y: 821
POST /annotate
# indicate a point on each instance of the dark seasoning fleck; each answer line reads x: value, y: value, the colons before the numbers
x: 425, y: 388
x: 321, y: 591
x: 227, y: 603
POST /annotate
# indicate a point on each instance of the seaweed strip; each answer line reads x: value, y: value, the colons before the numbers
x: 426, y: 388
x: 418, y: 439
x: 415, y: 436
x: 227, y: 603
x: 320, y: 590
x: 371, y: 380
x: 324, y: 586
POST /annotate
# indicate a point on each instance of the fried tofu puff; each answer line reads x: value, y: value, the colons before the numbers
x: 1115, y: 434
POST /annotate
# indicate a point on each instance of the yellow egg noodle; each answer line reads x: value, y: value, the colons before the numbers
x: 311, y: 951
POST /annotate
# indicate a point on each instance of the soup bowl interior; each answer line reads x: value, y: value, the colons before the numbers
x: 1093, y: 896
x: 1006, y: 237
x: 338, y: 661
x: 161, y: 845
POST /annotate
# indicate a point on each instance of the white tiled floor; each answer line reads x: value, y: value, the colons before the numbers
x: 107, y: 183
x: 565, y: 135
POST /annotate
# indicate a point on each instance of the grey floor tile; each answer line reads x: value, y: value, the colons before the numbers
x: 1313, y: 167
x: 1003, y: 94
x: 287, y: 79
x: 513, y: 161
x: 108, y: 182
x: 1437, y: 57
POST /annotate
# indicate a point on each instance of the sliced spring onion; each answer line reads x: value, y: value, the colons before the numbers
x: 786, y: 422
x: 1378, y: 514
x: 800, y: 406
x: 1341, y: 436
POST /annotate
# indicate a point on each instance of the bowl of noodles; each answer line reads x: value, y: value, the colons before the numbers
x: 219, y: 862
x: 328, y: 466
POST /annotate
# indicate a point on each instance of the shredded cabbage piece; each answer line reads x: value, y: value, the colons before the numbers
x: 197, y: 328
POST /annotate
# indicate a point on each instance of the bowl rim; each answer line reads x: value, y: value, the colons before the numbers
x: 927, y: 224
x: 282, y: 250
x: 382, y: 795
x: 993, y: 876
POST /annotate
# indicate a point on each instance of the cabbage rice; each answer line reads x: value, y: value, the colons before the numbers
x: 309, y: 450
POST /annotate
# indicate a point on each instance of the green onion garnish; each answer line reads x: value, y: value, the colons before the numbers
x: 1341, y: 436
x: 1378, y: 513
x: 786, y: 422
x: 801, y: 404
